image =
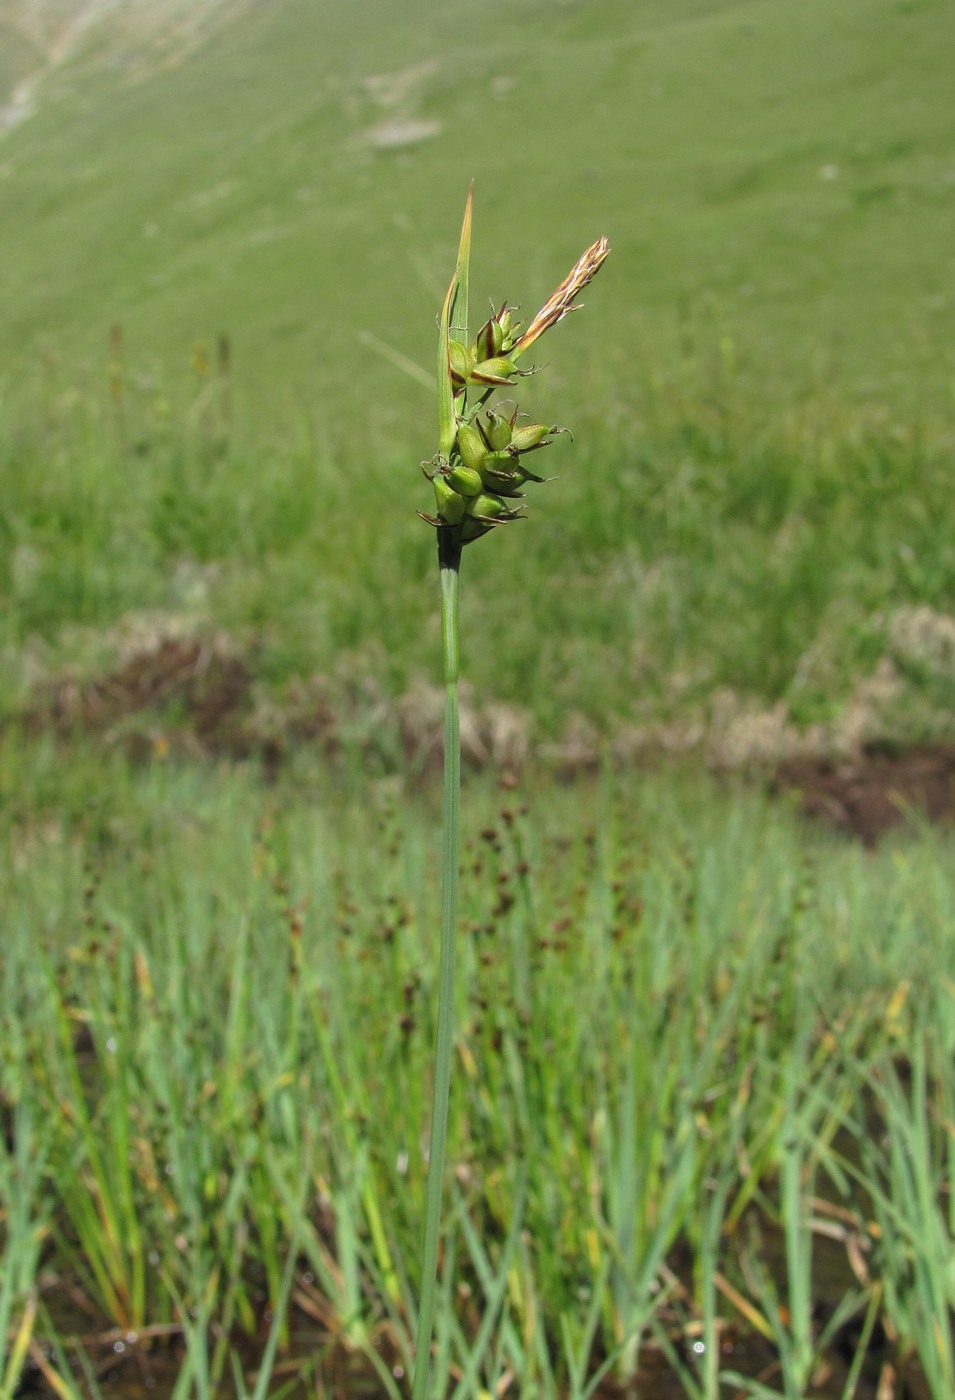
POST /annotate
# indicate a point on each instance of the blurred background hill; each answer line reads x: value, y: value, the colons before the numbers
x: 292, y: 173
x: 226, y: 231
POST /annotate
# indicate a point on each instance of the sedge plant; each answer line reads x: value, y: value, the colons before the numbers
x: 478, y: 475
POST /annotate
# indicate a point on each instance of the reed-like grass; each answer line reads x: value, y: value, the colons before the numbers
x: 680, y: 1021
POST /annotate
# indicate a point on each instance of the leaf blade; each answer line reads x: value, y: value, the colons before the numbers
x: 454, y: 318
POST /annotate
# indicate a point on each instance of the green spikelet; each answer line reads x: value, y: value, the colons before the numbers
x: 479, y: 475
x: 451, y: 506
x: 497, y: 371
x: 471, y: 446
x: 461, y: 360
x: 531, y: 435
x: 465, y: 480
x: 497, y: 431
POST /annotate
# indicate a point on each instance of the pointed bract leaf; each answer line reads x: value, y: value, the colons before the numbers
x: 454, y: 326
x: 459, y: 312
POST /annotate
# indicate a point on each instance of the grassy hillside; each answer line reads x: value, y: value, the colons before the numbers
x: 781, y: 175
x: 761, y: 386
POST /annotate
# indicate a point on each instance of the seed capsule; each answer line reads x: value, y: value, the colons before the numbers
x: 521, y: 475
x: 451, y: 506
x: 484, y: 512
x: 499, y: 473
x: 465, y: 480
x: 506, y: 323
x: 496, y: 370
x: 529, y: 436
x: 496, y: 336
x: 473, y: 530
x: 503, y: 483
x: 497, y: 432
x: 471, y: 445
x: 497, y: 462
x: 486, y: 506
x: 461, y: 361
x: 489, y: 339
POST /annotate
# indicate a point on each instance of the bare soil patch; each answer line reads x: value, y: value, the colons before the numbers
x: 193, y: 696
x: 198, y: 696
x: 205, y: 684
x: 879, y: 788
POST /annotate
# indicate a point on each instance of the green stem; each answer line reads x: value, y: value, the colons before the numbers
x: 449, y: 559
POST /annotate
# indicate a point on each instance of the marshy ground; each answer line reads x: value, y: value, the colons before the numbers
x: 700, y: 1109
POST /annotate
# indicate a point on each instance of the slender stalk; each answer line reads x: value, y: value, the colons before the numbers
x: 449, y: 559
x: 467, y: 476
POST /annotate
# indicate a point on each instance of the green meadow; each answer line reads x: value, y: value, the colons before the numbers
x: 760, y: 389
x: 780, y: 176
x: 701, y: 1122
